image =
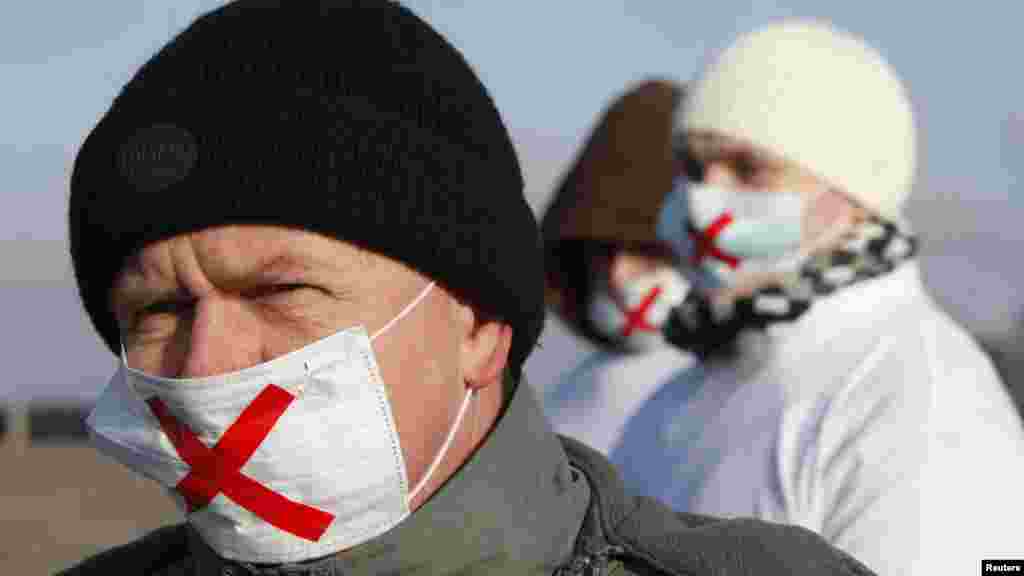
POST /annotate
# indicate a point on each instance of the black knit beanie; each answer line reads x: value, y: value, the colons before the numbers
x: 352, y: 119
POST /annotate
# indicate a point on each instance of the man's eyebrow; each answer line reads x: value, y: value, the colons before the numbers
x: 290, y: 267
x: 280, y: 265
x: 137, y: 284
x: 130, y: 283
x: 134, y: 286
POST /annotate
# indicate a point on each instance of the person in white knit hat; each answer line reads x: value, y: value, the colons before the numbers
x: 829, y: 390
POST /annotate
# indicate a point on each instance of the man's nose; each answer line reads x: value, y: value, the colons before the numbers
x: 626, y: 266
x: 223, y: 337
x: 718, y: 173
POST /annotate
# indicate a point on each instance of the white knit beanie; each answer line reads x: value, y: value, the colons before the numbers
x: 817, y: 96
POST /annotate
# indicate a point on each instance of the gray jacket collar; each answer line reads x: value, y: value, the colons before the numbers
x: 514, y: 507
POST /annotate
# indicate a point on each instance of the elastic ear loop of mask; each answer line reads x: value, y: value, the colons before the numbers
x: 458, y: 418
x: 408, y: 308
x: 470, y: 394
x: 795, y: 262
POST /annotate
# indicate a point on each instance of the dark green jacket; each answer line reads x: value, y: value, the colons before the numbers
x: 527, y: 502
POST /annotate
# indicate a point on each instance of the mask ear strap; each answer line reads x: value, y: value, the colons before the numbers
x: 831, y: 236
x: 470, y: 395
x: 408, y: 308
x: 124, y: 372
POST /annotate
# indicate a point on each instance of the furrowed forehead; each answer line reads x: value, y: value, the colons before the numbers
x: 235, y: 261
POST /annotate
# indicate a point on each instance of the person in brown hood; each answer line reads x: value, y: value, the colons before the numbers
x: 599, y: 231
x: 610, y: 279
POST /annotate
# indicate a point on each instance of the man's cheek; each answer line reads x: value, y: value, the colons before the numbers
x: 822, y: 212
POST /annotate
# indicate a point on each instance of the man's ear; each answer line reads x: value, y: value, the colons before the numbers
x: 827, y: 210
x: 484, y: 348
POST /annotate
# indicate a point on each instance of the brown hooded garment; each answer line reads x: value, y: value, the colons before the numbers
x: 610, y: 196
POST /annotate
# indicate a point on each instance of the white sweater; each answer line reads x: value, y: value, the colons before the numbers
x: 874, y: 420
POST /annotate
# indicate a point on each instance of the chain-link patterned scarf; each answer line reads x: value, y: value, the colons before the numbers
x: 875, y: 248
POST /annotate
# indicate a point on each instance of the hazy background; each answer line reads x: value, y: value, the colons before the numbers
x: 551, y: 67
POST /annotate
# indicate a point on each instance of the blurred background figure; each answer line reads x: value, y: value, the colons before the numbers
x: 966, y: 211
x: 831, y: 392
x: 609, y: 278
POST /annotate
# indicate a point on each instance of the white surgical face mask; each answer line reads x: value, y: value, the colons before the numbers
x: 635, y: 315
x: 746, y: 225
x: 738, y: 231
x: 292, y: 459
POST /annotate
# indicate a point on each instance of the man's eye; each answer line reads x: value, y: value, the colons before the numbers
x: 159, y: 316
x: 279, y: 290
x: 746, y: 169
x: 165, y: 307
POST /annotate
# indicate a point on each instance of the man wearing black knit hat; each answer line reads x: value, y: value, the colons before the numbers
x: 302, y: 229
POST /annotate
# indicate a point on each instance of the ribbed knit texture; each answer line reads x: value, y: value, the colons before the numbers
x: 351, y: 119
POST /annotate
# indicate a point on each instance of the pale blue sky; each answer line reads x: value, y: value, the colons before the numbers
x: 551, y: 66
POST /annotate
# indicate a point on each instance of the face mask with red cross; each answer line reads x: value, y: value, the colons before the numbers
x: 633, y: 314
x: 725, y: 231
